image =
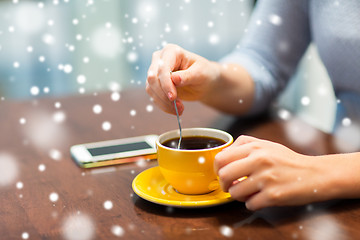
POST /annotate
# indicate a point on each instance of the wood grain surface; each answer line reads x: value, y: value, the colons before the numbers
x: 45, y: 195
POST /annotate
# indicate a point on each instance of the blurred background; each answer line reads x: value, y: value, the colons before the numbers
x: 66, y: 47
x: 62, y: 47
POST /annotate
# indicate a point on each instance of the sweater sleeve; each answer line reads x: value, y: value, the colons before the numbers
x: 275, y: 40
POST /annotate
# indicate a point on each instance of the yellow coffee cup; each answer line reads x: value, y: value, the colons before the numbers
x: 190, y: 171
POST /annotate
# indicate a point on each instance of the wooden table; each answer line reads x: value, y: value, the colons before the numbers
x: 45, y: 195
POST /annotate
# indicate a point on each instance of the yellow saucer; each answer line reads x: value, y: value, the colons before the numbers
x: 151, y: 185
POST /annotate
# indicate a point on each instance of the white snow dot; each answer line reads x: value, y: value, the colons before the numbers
x: 347, y: 137
x: 81, y: 79
x: 68, y: 68
x: 164, y: 43
x: 81, y: 90
x: 42, y: 167
x: 275, y: 19
x: 134, y: 20
x: 41, y: 59
x: 50, y: 22
x: 226, y: 231
x: 54, y: 196
x: 59, y: 117
x: 322, y: 91
x: 108, y: 205
x: 71, y: 48
x: 79, y: 37
x: 86, y: 60
x: 22, y: 121
x: 55, y: 154
x: 8, y: 169
x: 19, y: 185
x: 115, y: 96
x: 97, y: 109
x: 30, y: 49
x: 185, y: 28
x: 149, y: 108
x: 34, y: 90
x: 61, y: 67
x: 57, y: 105
x: 167, y: 28
x: 25, y: 235
x: 132, y: 112
x: 48, y: 39
x: 11, y: 29
x: 132, y: 56
x: 78, y: 226
x: 108, y: 25
x: 141, y: 163
x: 117, y: 231
x: 295, y: 128
x: 210, y: 24
x: 309, y: 208
x: 346, y: 122
x: 16, y: 64
x: 130, y: 40
x: 201, y: 160
x: 214, y: 39
x: 305, y: 101
x: 284, y: 114
x: 90, y: 2
x: 106, y: 126
x: 40, y: 5
x: 75, y: 21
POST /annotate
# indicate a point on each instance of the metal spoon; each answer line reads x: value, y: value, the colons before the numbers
x: 178, y: 119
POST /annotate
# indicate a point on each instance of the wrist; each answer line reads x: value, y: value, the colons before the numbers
x: 214, y: 84
x: 340, y: 175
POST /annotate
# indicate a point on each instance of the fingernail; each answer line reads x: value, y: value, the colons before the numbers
x: 170, y: 96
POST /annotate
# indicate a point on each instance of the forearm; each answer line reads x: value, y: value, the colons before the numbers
x: 232, y: 91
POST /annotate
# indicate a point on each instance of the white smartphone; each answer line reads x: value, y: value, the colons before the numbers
x: 113, y: 152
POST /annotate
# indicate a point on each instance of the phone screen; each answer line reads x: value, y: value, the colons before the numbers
x: 118, y: 148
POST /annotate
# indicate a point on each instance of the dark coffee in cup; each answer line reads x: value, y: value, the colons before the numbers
x: 191, y: 171
x: 194, y: 142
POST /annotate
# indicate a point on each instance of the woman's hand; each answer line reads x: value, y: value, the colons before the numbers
x: 278, y: 176
x: 175, y: 73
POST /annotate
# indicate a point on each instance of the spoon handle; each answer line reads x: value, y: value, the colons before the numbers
x: 178, y: 119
